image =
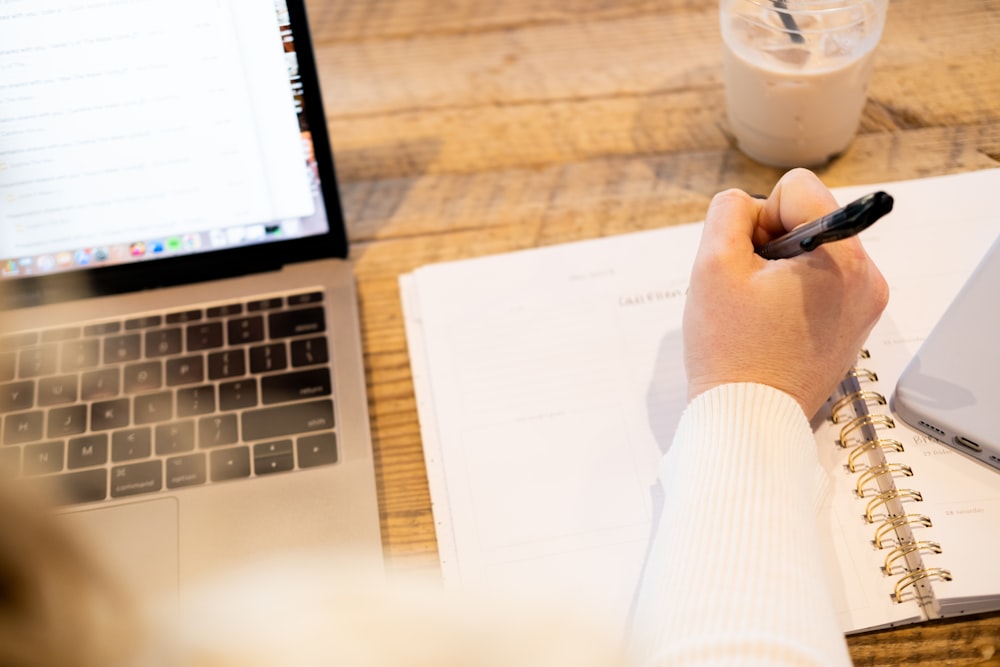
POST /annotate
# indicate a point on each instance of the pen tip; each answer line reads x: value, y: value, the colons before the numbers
x: 883, y: 202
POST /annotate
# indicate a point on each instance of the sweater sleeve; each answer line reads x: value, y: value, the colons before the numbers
x: 735, y: 572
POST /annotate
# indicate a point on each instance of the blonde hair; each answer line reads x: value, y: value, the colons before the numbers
x: 57, y: 607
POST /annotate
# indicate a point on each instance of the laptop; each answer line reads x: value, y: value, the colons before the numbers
x: 180, y: 354
x: 950, y: 390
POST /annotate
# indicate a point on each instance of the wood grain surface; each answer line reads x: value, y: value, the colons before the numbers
x: 470, y: 127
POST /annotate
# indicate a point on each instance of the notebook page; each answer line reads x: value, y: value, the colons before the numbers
x: 558, y: 382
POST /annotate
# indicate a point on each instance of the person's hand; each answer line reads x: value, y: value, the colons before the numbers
x: 795, y: 324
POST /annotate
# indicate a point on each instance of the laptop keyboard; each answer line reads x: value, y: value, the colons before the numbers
x: 117, y: 408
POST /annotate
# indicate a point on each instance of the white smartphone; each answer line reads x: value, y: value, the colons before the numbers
x: 950, y: 390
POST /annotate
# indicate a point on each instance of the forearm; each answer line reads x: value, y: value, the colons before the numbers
x: 735, y: 573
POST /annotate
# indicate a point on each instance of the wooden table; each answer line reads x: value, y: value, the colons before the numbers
x: 471, y: 127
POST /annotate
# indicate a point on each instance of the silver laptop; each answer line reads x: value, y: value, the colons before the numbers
x: 180, y: 357
x: 950, y: 390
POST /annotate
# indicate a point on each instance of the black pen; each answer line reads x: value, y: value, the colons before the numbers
x: 841, y: 224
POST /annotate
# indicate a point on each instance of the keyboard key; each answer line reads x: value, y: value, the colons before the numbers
x: 270, y: 457
x: 55, y: 335
x: 85, y: 486
x: 175, y: 438
x: 264, y: 304
x: 106, y: 415
x: 228, y: 364
x: 17, y: 396
x: 218, y: 430
x: 144, y: 322
x: 294, y: 386
x: 80, y: 354
x: 87, y: 451
x: 244, y: 330
x: 135, y: 478
x: 196, y: 401
x: 8, y: 366
x: 118, y: 349
x: 268, y: 358
x: 152, y: 408
x: 309, y: 351
x: 144, y: 376
x: 296, y: 322
x: 317, y: 450
x: 238, y: 395
x: 68, y: 420
x: 22, y: 427
x: 163, y: 342
x: 37, y: 361
x: 204, y: 336
x: 187, y: 470
x: 56, y: 390
x: 186, y: 316
x: 96, y: 385
x: 230, y: 463
x: 268, y: 423
x: 102, y: 328
x: 23, y: 339
x: 44, y: 458
x: 185, y: 370
x: 223, y: 311
x: 302, y: 299
x: 131, y: 444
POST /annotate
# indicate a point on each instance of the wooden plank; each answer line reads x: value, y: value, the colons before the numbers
x: 607, y: 195
x: 350, y: 21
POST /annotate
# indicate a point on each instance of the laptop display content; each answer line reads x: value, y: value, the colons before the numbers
x: 156, y: 136
x: 180, y: 350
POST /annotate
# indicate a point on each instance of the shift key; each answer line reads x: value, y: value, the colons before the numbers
x: 287, y: 419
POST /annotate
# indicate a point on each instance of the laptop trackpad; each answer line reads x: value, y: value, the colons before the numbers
x: 137, y: 543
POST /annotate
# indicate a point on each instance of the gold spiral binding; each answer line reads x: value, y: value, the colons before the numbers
x: 895, y: 522
x: 877, y: 471
x: 863, y: 374
x: 865, y: 420
x: 914, y: 577
x: 904, y: 549
x: 844, y: 401
x: 869, y: 445
x: 886, y: 496
x: 861, y: 433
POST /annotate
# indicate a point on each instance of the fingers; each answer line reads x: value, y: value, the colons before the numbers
x: 736, y: 221
x: 730, y: 224
x: 798, y: 198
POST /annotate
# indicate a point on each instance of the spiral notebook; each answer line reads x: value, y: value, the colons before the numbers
x: 550, y: 381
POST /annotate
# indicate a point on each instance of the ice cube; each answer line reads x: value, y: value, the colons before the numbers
x: 845, y: 43
x: 788, y: 54
x: 749, y: 30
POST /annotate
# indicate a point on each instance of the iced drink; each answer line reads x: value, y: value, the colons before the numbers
x: 796, y: 85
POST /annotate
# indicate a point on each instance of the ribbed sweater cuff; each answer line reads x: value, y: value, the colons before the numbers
x: 735, y: 575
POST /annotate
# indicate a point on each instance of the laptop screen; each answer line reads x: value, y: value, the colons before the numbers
x: 152, y: 130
